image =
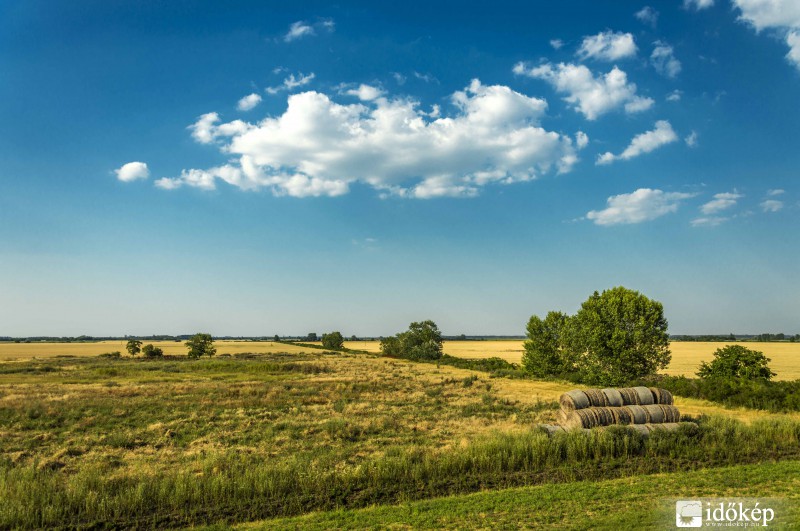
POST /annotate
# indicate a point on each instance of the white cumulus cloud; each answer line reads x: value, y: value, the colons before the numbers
x: 607, y: 46
x: 592, y: 96
x: 643, y: 143
x: 365, y: 92
x: 320, y: 147
x: 645, y: 204
x: 248, y: 102
x: 557, y: 44
x: 132, y: 171
x: 664, y: 61
x: 723, y: 201
x: 783, y: 16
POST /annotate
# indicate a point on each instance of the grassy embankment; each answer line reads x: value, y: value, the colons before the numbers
x: 174, y: 442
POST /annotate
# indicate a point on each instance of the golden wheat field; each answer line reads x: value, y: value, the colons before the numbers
x: 686, y: 355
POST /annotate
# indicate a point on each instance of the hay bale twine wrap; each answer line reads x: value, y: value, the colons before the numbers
x: 613, y: 397
x: 656, y: 392
x: 628, y: 396
x: 654, y: 413
x: 671, y: 413
x: 596, y: 397
x: 666, y: 398
x: 606, y: 416
x: 572, y: 400
x: 637, y: 413
x: 645, y: 397
x: 621, y: 415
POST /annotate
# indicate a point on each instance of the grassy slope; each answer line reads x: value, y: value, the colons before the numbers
x: 630, y: 503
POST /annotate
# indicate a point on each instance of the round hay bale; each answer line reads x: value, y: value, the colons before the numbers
x: 664, y: 426
x: 596, y: 397
x: 621, y: 415
x: 628, y: 396
x: 638, y: 414
x: 640, y: 428
x: 571, y: 420
x: 656, y: 392
x: 606, y: 416
x: 655, y: 415
x: 671, y: 413
x: 590, y: 419
x: 551, y: 429
x: 645, y: 397
x: 666, y: 398
x: 572, y: 400
x: 613, y: 397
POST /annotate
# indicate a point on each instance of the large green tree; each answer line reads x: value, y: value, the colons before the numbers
x: 134, y: 346
x: 617, y: 336
x: 545, y: 350
x: 422, y: 341
x: 201, y: 345
x: 333, y: 341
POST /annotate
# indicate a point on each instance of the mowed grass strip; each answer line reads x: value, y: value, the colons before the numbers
x: 644, y: 502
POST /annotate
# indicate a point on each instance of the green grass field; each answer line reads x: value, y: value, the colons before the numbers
x: 92, y: 441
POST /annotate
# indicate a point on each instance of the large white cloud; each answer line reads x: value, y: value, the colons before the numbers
x: 721, y: 202
x: 643, y: 143
x: 664, y: 61
x: 320, y: 147
x: 782, y: 16
x: 132, y: 171
x: 589, y: 95
x: 645, y: 204
x: 607, y: 46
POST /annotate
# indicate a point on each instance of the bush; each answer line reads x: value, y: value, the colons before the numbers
x: 333, y: 341
x: 422, y: 341
x: 737, y: 363
x: 545, y: 348
x: 150, y: 351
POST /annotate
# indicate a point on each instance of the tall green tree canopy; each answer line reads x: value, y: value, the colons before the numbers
x: 134, y: 346
x: 617, y: 336
x: 545, y: 349
x: 422, y: 341
x: 201, y: 345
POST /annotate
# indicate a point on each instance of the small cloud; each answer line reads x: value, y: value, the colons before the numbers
x: 248, y: 102
x: 664, y: 61
x: 607, y: 46
x: 291, y: 82
x: 697, y: 5
x: 713, y: 221
x: 365, y: 92
x: 298, y: 30
x: 427, y: 78
x: 643, y: 143
x: 647, y: 15
x: 691, y: 139
x: 399, y: 78
x: 557, y: 44
x: 132, y: 171
x: 723, y: 201
x: 776, y: 191
x: 675, y: 95
x: 644, y: 204
x: 771, y: 205
x: 581, y: 140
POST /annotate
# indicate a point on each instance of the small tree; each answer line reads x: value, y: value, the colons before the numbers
x: 545, y: 353
x: 201, y: 345
x: 312, y: 336
x: 150, y: 351
x: 133, y: 347
x: 422, y: 341
x: 333, y: 341
x: 276, y: 338
x: 736, y: 362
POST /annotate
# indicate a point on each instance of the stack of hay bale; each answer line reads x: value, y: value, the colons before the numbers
x: 642, y: 408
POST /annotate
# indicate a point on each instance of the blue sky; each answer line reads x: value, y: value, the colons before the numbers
x: 262, y: 167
